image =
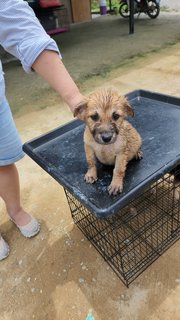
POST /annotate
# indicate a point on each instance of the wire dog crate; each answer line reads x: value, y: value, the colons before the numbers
x: 132, y: 229
x: 139, y: 233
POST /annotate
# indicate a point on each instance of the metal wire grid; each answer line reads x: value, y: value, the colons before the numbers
x: 137, y: 235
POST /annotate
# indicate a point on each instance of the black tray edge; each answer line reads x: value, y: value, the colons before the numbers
x: 103, y: 213
x: 35, y: 142
x: 30, y: 145
x: 154, y: 96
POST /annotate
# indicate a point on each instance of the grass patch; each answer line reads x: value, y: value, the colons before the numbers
x: 95, y: 4
x: 165, y: 9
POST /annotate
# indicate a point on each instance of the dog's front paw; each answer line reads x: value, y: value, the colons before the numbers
x: 90, y: 176
x: 115, y: 188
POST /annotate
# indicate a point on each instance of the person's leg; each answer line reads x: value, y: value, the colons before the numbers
x: 10, y: 152
x: 4, y: 249
x: 10, y: 193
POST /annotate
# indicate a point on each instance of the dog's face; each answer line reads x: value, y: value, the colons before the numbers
x: 104, y: 113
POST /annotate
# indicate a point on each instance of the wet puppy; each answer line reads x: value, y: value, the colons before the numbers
x: 108, y: 136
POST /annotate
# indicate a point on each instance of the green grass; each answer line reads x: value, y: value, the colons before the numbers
x: 95, y: 4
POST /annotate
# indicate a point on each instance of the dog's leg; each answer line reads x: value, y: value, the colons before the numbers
x: 139, y: 155
x: 116, y: 185
x: 91, y: 175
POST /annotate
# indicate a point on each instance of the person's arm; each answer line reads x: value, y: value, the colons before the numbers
x: 50, y: 67
x: 22, y: 35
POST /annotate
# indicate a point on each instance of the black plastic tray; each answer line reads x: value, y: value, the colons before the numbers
x: 61, y: 153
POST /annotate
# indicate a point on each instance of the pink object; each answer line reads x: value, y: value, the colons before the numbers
x: 57, y: 30
x: 49, y: 3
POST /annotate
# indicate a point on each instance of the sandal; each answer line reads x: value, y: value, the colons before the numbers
x: 30, y: 229
x: 4, y: 249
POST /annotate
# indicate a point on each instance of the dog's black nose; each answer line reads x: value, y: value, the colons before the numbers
x: 106, y: 137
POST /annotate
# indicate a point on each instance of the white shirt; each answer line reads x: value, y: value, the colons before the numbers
x: 22, y: 35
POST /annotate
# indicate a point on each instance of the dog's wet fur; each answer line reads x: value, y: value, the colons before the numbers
x: 108, y: 136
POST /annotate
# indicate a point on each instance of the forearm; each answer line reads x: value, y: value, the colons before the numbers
x: 50, y: 67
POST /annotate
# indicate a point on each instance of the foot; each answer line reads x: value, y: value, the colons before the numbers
x: 26, y: 223
x: 4, y: 249
x: 115, y: 187
x: 91, y: 175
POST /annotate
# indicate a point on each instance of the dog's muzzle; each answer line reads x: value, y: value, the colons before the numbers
x: 105, y: 137
x: 105, y: 134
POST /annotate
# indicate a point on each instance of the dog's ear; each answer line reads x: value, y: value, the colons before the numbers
x: 80, y: 110
x: 127, y: 108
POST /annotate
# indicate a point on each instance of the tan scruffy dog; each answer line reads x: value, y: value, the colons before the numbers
x: 108, y: 136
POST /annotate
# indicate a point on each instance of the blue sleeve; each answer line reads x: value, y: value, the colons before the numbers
x: 21, y: 33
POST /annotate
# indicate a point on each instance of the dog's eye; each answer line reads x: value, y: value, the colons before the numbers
x: 115, y: 116
x: 95, y: 117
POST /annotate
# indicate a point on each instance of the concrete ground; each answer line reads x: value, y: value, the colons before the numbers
x: 58, y: 275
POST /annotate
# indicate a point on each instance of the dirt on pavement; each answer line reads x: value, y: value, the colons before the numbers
x: 58, y: 275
